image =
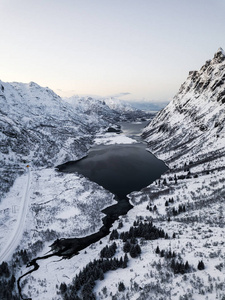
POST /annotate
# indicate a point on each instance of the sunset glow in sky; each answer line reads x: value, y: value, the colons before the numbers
x: 103, y: 47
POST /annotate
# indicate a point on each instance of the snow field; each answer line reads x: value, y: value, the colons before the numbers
x: 11, y: 209
x: 113, y: 138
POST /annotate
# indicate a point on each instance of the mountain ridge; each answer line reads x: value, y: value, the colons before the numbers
x: 195, y: 115
x: 38, y: 127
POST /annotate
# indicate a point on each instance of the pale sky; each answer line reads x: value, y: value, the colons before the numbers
x: 103, y: 47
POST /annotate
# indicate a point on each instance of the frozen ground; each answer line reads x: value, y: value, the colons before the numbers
x: 199, y: 235
x: 113, y: 138
x: 14, y: 235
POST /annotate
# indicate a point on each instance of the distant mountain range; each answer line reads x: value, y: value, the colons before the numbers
x: 126, y: 105
x: 116, y: 102
x: 148, y: 106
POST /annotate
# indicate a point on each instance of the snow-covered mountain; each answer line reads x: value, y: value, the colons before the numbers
x: 38, y: 127
x: 189, y: 135
x: 91, y: 105
x: 118, y: 105
x: 151, y: 106
x: 127, y: 110
x: 106, y: 106
x: 192, y: 126
x: 187, y: 203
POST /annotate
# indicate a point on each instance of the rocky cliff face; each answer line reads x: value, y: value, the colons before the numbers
x: 38, y: 127
x: 189, y: 198
x: 191, y: 127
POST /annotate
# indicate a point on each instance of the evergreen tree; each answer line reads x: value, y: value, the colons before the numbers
x: 169, y: 254
x: 133, y: 252
x: 114, y: 246
x: 63, y: 287
x: 114, y: 235
x: 157, y: 250
x: 125, y: 236
x: 135, y: 223
x: 174, y: 211
x: 121, y: 287
x: 138, y: 249
x: 201, y: 265
x: 126, y: 247
x: 125, y: 261
x: 4, y: 269
x: 187, y: 267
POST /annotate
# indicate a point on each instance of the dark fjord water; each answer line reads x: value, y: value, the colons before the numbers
x: 121, y: 168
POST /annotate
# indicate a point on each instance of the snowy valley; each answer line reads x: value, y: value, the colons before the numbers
x: 170, y: 245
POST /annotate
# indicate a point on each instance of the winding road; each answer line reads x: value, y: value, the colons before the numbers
x: 16, y: 235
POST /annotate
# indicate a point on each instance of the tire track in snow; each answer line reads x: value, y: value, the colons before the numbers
x: 18, y: 231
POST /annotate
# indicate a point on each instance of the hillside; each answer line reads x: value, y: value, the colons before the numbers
x: 38, y: 127
x: 123, y: 109
x: 188, y: 200
x: 191, y: 127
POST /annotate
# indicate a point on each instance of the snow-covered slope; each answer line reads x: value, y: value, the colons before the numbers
x: 90, y: 106
x: 126, y: 110
x: 38, y: 127
x: 118, y: 105
x: 192, y: 125
x: 188, y: 200
x: 108, y: 106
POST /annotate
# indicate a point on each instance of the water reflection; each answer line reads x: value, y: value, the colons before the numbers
x: 120, y: 169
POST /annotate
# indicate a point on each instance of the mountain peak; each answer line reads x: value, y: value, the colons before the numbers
x: 220, y: 50
x: 219, y: 56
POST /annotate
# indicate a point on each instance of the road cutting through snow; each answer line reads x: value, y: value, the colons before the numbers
x: 16, y: 235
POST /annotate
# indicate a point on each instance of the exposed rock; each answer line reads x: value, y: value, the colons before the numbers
x: 193, y: 122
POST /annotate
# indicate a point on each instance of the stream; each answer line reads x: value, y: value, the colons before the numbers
x: 121, y: 169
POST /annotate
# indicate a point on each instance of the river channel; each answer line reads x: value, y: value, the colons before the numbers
x: 121, y: 169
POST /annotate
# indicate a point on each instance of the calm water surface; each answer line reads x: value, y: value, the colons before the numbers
x: 120, y: 169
